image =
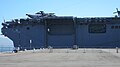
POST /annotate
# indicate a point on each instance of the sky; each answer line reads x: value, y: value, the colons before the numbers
x: 16, y: 9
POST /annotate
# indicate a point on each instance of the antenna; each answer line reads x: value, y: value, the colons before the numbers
x: 3, y: 20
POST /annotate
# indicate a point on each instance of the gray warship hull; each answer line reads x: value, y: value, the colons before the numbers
x: 64, y: 32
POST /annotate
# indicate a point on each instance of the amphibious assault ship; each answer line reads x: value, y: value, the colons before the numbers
x: 46, y: 29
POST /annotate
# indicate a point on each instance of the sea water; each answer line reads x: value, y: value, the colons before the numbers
x: 6, y: 48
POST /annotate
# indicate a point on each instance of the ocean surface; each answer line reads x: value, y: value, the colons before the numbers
x: 6, y: 48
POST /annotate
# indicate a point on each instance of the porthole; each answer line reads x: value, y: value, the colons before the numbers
x: 28, y: 28
x: 112, y: 27
x: 116, y: 27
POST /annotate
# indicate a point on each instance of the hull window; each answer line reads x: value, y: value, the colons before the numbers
x: 97, y: 28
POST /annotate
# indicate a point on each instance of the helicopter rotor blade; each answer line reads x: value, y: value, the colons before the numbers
x: 117, y: 9
x: 115, y: 12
